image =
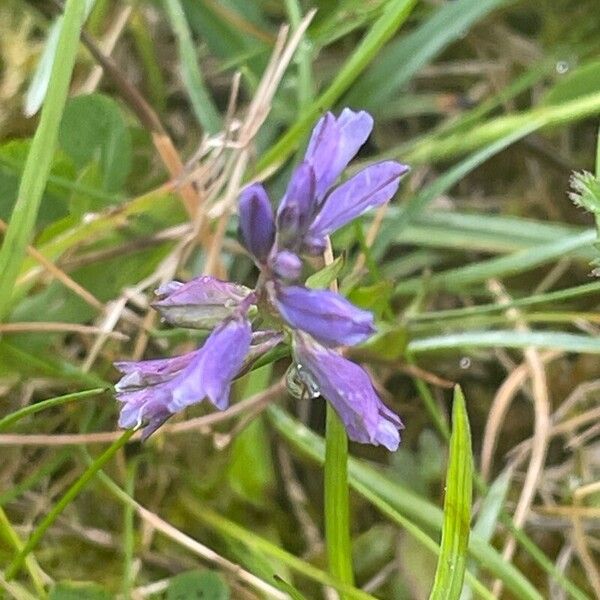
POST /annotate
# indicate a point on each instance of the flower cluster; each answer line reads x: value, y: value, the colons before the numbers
x: 247, y: 323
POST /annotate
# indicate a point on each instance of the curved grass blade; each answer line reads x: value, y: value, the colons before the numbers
x: 39, y: 158
x: 13, y: 417
x: 67, y: 498
x: 450, y: 572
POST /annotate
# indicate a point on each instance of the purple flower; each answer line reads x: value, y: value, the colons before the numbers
x: 334, y: 143
x: 257, y: 226
x: 371, y: 187
x: 349, y: 389
x: 151, y: 391
x: 286, y: 265
x: 327, y: 316
x: 200, y: 303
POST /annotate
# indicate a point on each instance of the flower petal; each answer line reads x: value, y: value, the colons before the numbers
x: 286, y: 265
x: 212, y: 370
x: 372, y: 187
x: 333, y: 144
x: 257, y: 226
x: 200, y: 303
x: 350, y: 391
x: 327, y: 316
x: 297, y: 207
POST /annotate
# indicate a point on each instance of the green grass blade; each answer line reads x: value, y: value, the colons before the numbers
x: 394, y: 14
x: 337, y: 502
x: 488, y: 517
x: 482, y: 309
x: 394, y: 226
x: 32, y: 409
x: 435, y: 149
x: 254, y: 541
x: 450, y: 572
x: 70, y: 495
x: 39, y: 159
x: 504, y: 266
x: 397, y: 498
x: 398, y: 63
x: 202, y: 103
x: 548, y: 340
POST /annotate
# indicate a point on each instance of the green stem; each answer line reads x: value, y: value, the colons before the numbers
x: 337, y: 505
x: 39, y: 158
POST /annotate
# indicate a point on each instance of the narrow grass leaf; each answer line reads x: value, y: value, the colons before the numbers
x: 32, y: 409
x: 70, y: 495
x: 337, y: 501
x: 39, y: 159
x: 394, y: 14
x: 450, y: 572
x: 398, y: 63
x: 489, y: 514
x: 504, y: 266
x: 548, y: 340
x: 202, y: 102
x: 255, y: 542
x: 392, y: 497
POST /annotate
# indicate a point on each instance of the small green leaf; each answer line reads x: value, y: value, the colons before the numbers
x: 451, y: 565
x: 322, y: 279
x: 375, y: 298
x: 389, y: 342
x: 197, y: 585
x: 93, y: 129
x: 78, y: 591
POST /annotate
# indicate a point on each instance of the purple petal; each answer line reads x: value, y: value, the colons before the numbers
x: 333, y: 144
x: 286, y: 265
x: 350, y: 391
x: 212, y: 370
x: 372, y: 187
x: 297, y: 207
x: 200, y: 303
x: 257, y: 226
x: 327, y: 316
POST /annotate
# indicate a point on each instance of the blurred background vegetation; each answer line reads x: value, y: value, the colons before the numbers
x: 480, y: 272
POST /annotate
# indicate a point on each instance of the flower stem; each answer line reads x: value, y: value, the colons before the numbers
x: 337, y: 510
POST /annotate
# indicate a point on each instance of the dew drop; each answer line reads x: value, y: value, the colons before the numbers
x: 465, y: 362
x: 300, y: 383
x: 562, y: 66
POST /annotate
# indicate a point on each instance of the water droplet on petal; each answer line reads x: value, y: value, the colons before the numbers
x: 300, y: 383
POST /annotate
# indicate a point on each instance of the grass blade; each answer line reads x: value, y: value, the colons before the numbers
x: 397, y: 64
x: 391, y: 498
x: 395, y: 13
x: 39, y: 159
x: 67, y: 498
x: 44, y: 404
x: 549, y: 340
x: 202, y: 103
x: 452, y: 561
x: 337, y: 505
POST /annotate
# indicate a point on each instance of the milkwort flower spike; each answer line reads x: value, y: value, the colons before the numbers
x: 319, y: 321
